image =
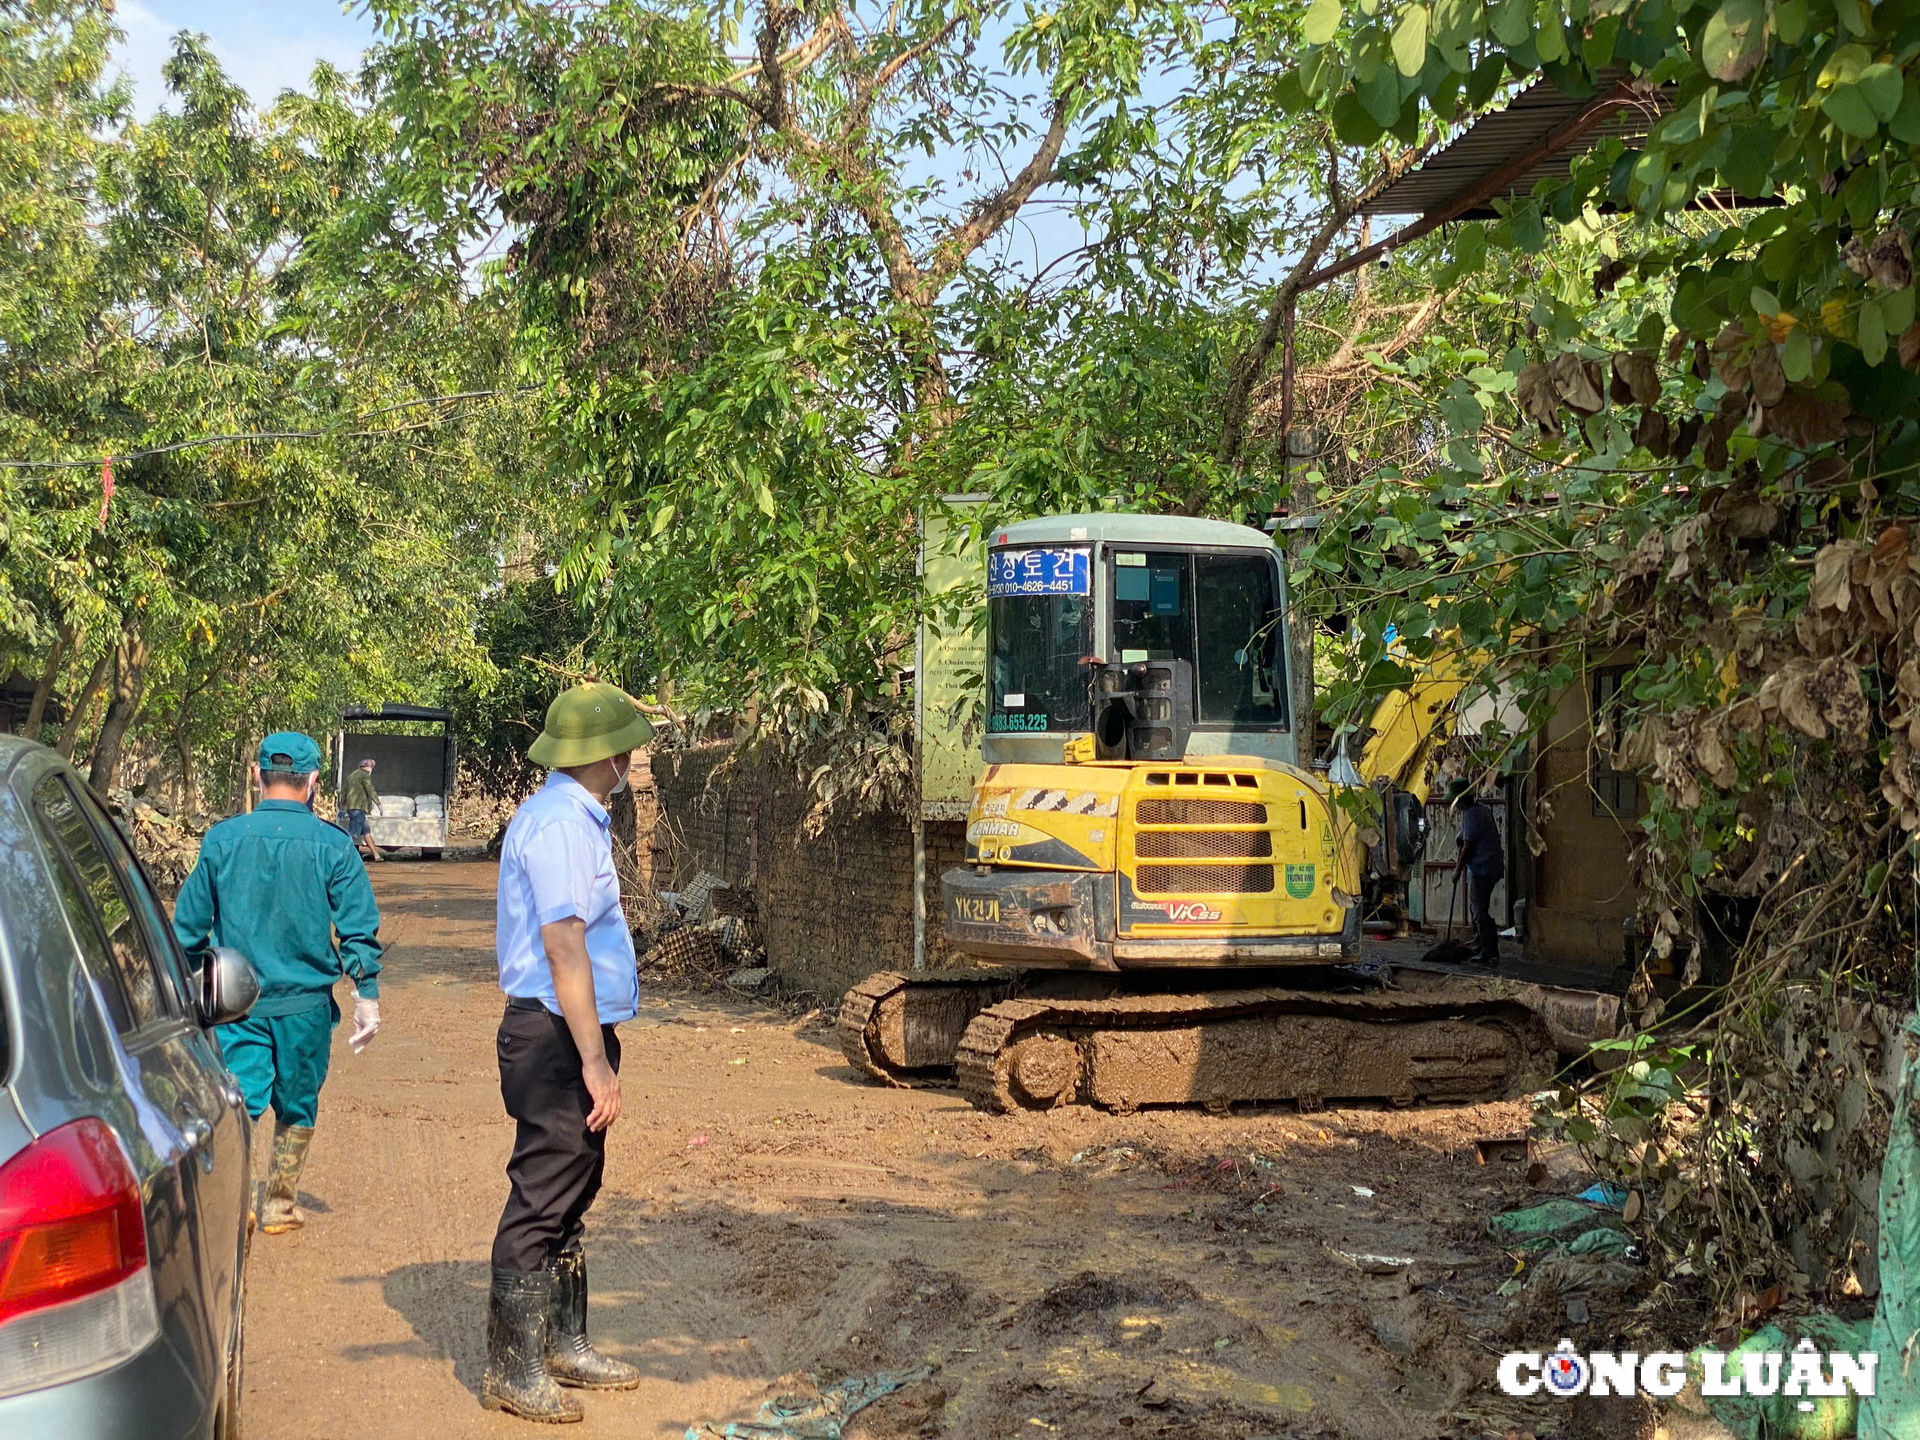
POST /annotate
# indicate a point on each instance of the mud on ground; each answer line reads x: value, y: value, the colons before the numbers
x: 767, y: 1217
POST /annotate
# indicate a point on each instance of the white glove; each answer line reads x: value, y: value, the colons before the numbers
x: 366, y: 1021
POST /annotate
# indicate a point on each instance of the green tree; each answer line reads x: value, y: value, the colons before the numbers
x: 1693, y: 448
x: 315, y: 454
x: 759, y: 313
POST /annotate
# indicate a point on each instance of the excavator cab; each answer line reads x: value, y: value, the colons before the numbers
x: 1151, y: 637
x: 1141, y: 806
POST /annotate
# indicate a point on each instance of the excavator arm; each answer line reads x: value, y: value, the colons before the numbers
x: 1407, y: 724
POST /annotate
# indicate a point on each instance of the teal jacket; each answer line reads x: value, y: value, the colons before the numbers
x: 278, y: 885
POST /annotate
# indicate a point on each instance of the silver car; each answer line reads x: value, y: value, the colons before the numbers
x: 123, y: 1140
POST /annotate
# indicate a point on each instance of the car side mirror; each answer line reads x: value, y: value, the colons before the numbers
x: 228, y: 986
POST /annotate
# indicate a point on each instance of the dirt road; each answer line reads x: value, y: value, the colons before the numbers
x: 765, y: 1215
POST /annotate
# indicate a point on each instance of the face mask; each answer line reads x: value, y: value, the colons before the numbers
x: 620, y: 780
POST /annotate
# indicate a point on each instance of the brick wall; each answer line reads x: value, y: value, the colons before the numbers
x: 833, y: 909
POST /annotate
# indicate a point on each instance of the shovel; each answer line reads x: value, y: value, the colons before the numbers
x: 1450, y: 951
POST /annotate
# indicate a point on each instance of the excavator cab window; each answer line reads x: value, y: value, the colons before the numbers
x: 1238, y: 674
x: 1218, y: 612
x: 1040, y: 640
x: 1152, y: 606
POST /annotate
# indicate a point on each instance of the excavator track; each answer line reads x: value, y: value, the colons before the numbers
x: 903, y: 1029
x: 1219, y: 1048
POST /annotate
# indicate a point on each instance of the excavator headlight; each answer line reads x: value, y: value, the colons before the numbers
x: 1053, y: 921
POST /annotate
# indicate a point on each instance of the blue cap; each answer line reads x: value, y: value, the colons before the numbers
x: 302, y: 756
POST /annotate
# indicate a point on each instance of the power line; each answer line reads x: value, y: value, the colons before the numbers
x: 200, y: 440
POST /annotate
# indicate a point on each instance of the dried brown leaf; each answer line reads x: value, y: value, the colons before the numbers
x: 1883, y: 600
x: 1713, y: 441
x: 1832, y: 578
x: 1890, y: 259
x: 1798, y: 708
x: 1686, y: 539
x: 1803, y: 420
x: 1769, y: 380
x: 1836, y: 689
x: 1687, y: 436
x: 1910, y: 346
x: 1535, y: 393
x: 1647, y: 556
x: 1643, y: 741
x: 1634, y: 369
x: 1654, y: 434
x: 1577, y: 382
x: 1745, y: 515
x: 1712, y: 754
x: 1608, y: 276
x: 1730, y: 357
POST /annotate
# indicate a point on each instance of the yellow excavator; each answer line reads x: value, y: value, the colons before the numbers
x: 1165, y: 898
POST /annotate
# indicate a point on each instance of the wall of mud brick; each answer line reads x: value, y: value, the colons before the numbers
x: 833, y: 908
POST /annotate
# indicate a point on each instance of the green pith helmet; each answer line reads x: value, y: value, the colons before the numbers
x: 1459, y: 790
x: 590, y: 722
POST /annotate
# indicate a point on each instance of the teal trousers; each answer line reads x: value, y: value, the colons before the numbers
x: 281, y: 1060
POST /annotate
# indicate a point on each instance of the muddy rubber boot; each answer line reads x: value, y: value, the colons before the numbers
x: 516, y: 1379
x: 279, y: 1213
x: 570, y: 1358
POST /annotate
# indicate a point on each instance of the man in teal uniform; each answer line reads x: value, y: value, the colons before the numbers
x: 278, y: 886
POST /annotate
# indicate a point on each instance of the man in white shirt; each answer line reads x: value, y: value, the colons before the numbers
x: 567, y: 967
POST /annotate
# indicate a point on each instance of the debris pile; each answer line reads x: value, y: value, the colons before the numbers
x: 167, y: 845
x: 1570, y: 1248
x: 706, y: 934
x: 820, y: 1415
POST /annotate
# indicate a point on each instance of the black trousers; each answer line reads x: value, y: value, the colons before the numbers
x: 557, y: 1162
x: 1480, y: 913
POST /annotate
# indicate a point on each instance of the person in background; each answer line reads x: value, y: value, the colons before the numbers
x: 567, y: 967
x: 358, y: 800
x: 1483, y: 856
x: 279, y: 885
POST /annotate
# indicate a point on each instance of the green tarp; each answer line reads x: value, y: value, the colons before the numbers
x: 1893, y: 1411
x: 1576, y: 1227
x: 1779, y: 1417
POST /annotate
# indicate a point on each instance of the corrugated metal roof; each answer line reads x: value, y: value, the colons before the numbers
x: 1528, y: 123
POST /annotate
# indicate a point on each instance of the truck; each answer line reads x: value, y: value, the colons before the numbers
x: 1162, y: 897
x: 414, y: 765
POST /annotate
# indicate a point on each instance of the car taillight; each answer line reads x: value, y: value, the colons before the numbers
x: 75, y: 1292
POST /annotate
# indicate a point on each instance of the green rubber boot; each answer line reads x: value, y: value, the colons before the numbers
x: 516, y: 1378
x: 570, y: 1358
x: 279, y: 1213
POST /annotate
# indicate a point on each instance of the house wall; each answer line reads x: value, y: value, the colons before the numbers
x: 1582, y: 889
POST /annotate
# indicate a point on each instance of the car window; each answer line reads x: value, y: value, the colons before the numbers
x: 133, y: 879
x: 102, y: 914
